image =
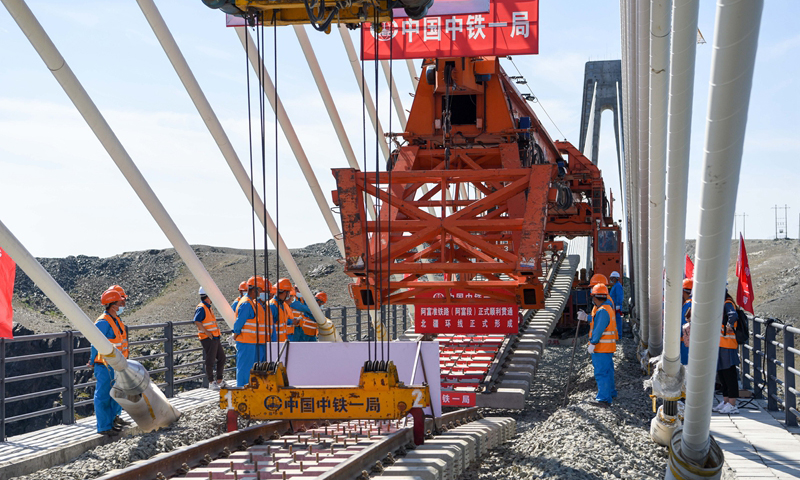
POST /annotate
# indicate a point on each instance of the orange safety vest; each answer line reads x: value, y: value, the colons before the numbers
x: 253, y: 325
x: 209, y: 322
x: 728, y: 339
x: 120, y: 339
x: 608, y: 341
x: 309, y: 325
x: 285, y: 312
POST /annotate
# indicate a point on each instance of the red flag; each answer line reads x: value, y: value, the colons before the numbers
x: 688, y: 271
x: 7, y: 271
x: 744, y: 290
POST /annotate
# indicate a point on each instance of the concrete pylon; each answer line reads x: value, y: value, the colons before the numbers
x: 599, y: 94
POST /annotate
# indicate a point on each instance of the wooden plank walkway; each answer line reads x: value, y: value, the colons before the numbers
x: 29, y: 452
x: 756, y: 445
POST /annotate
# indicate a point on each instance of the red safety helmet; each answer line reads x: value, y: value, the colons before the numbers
x: 322, y: 297
x: 119, y: 290
x: 243, y: 287
x: 285, y: 285
x: 258, y: 282
x: 600, y: 290
x: 598, y: 279
x: 110, y: 296
x: 688, y: 283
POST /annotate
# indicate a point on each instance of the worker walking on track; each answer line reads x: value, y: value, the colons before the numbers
x: 250, y: 329
x: 209, y: 334
x: 105, y: 408
x: 282, y: 313
x: 602, y: 344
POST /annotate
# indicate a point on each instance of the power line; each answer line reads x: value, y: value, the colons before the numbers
x: 536, y: 99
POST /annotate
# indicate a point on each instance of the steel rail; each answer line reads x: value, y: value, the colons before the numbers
x: 170, y: 464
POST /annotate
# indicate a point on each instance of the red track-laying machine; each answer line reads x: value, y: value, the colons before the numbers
x: 476, y: 196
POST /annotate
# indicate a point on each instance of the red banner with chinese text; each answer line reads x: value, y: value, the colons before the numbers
x: 458, y: 399
x: 466, y: 318
x: 510, y: 28
x: 8, y: 270
x: 744, y: 290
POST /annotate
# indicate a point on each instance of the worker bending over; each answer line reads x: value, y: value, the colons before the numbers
x: 209, y: 334
x: 602, y: 344
x: 306, y: 328
x: 282, y: 313
x: 105, y: 408
x: 250, y: 329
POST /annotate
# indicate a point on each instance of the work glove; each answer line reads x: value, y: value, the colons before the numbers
x: 591, y: 348
x: 582, y: 316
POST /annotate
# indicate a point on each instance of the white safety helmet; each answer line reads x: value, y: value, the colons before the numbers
x: 614, y: 274
x: 202, y: 291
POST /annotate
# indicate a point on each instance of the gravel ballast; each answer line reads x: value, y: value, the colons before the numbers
x: 193, y: 426
x: 581, y: 441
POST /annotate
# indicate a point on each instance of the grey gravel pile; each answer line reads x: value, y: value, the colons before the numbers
x: 581, y: 441
x: 193, y: 426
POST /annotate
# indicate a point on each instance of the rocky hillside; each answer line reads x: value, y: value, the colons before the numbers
x: 775, y: 269
x: 159, y: 285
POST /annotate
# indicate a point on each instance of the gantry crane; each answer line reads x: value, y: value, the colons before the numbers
x: 501, y: 192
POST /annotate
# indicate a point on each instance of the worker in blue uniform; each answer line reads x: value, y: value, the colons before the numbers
x: 688, y: 283
x: 250, y: 329
x: 602, y: 344
x: 105, y: 408
x: 242, y: 293
x: 617, y: 293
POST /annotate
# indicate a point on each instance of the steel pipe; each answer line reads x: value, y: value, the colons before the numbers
x: 211, y: 121
x: 732, y: 64
x: 643, y: 69
x: 661, y: 12
x: 143, y: 401
x: 681, y: 93
x: 73, y: 88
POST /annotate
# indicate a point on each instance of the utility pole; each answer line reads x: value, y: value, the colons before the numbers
x: 786, y: 221
x: 776, y: 221
x: 744, y: 223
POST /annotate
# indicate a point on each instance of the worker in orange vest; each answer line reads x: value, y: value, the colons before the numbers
x: 105, y: 408
x: 250, y: 329
x: 209, y: 334
x: 602, y: 344
x: 728, y: 358
x: 282, y: 313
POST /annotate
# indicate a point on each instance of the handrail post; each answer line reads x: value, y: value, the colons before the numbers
x: 342, y: 320
x: 405, y: 318
x: 2, y: 389
x: 758, y: 360
x: 68, y: 379
x: 745, y: 368
x: 772, y: 372
x: 790, y: 400
x: 358, y: 325
x: 169, y: 360
x: 394, y: 322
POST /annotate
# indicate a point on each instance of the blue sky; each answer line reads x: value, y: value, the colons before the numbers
x: 61, y: 194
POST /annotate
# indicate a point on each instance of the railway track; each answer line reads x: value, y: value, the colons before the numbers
x: 345, y: 450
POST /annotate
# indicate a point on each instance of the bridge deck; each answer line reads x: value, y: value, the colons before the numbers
x: 30, y: 452
x: 756, y: 445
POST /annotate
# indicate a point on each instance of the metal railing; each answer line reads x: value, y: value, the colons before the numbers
x: 768, y: 362
x: 168, y: 351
